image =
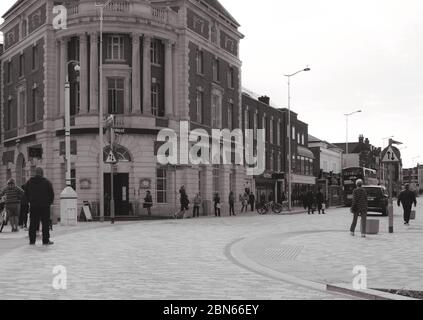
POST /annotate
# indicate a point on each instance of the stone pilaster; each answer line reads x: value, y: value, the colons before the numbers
x: 63, y: 72
x: 93, y: 73
x: 136, y: 87
x: 169, y: 79
x: 146, y: 103
x: 83, y: 74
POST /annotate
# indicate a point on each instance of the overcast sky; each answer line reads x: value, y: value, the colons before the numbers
x: 364, y: 54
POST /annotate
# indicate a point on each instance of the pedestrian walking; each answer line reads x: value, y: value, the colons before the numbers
x: 216, y: 204
x: 40, y: 195
x: 232, y: 204
x: 263, y: 199
x: 309, y: 201
x: 184, y: 203
x: 244, y: 202
x: 148, y: 202
x: 359, y: 208
x: 197, y: 203
x: 252, y: 200
x: 320, y: 201
x: 23, y: 217
x: 13, y: 196
x: 407, y: 198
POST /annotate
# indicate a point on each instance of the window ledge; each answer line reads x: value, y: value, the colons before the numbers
x: 115, y: 60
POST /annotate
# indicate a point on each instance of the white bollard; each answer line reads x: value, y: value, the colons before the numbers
x: 68, y: 207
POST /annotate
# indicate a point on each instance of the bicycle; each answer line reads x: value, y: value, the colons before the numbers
x: 275, y: 207
x: 3, y: 219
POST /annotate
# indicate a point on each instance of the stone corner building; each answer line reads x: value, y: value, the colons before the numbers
x: 164, y: 62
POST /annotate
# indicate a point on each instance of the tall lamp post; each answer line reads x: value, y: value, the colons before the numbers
x: 346, y: 117
x: 68, y: 197
x: 289, y: 136
x: 100, y: 113
x: 67, y: 122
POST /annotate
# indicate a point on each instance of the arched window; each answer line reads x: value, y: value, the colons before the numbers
x: 121, y: 153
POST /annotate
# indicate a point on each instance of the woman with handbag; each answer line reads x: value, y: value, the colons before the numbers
x: 148, y: 202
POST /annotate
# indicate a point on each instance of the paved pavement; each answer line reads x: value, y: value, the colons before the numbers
x: 197, y: 259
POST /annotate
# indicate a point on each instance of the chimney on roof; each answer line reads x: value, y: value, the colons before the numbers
x: 361, y: 139
x: 367, y: 141
x: 264, y: 99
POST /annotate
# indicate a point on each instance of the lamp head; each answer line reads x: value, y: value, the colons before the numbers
x: 307, y: 69
x: 77, y: 68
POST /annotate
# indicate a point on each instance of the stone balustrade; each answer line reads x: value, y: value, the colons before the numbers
x: 127, y: 8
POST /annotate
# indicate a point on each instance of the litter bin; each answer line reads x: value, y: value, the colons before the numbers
x: 68, y: 207
x: 372, y: 226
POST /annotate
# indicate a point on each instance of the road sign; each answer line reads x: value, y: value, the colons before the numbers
x: 119, y: 130
x: 390, y: 156
x: 111, y: 158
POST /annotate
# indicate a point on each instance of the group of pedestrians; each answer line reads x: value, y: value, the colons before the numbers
x: 35, y: 197
x: 314, y: 201
x: 246, y: 199
x: 360, y: 206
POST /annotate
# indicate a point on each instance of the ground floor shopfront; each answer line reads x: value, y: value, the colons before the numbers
x: 136, y: 172
x: 270, y: 185
x: 300, y: 185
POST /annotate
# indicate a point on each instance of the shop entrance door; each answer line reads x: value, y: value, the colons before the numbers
x: 120, y: 191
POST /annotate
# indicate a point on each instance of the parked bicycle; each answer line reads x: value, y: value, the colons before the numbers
x: 265, y: 208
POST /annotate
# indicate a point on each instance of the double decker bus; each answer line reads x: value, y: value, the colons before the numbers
x: 351, y: 175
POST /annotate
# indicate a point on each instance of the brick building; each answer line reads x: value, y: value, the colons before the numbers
x: 258, y: 113
x: 164, y: 62
x: 414, y: 177
x: 327, y: 168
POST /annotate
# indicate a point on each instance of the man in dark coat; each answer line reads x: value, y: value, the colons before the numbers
x: 309, y: 201
x: 252, y: 200
x: 320, y: 200
x: 40, y: 195
x: 407, y: 198
x: 359, y: 207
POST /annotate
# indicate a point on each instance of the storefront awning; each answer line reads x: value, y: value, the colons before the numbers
x: 304, y: 152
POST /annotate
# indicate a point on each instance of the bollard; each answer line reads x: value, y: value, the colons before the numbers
x: 68, y: 207
x: 391, y: 216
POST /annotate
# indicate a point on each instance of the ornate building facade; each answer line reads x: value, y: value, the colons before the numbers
x: 164, y: 62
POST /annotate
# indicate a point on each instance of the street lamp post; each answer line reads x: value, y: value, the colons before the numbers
x: 67, y: 123
x: 100, y: 114
x: 346, y: 117
x: 289, y: 137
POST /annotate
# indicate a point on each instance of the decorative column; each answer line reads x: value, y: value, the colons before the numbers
x: 136, y: 77
x: 93, y: 73
x: 83, y: 73
x: 63, y: 73
x: 146, y: 79
x: 168, y: 79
